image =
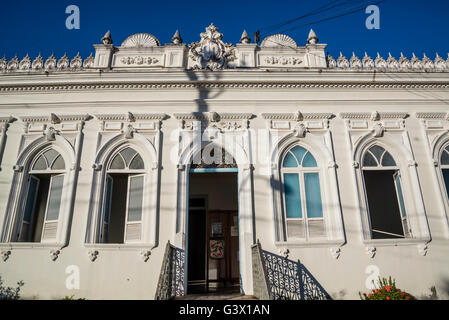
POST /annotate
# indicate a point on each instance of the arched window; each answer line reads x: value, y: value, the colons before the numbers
x: 302, y: 198
x: 43, y: 194
x: 383, y: 187
x: 123, y: 198
x: 444, y: 163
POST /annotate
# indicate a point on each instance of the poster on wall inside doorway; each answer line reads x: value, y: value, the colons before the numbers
x: 216, y: 249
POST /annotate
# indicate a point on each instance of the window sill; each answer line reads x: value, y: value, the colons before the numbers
x: 310, y: 244
x: 119, y: 246
x: 394, y: 242
x: 31, y: 245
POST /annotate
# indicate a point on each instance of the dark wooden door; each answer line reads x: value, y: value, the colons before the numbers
x: 222, y: 249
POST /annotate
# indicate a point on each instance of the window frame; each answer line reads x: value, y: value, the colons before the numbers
x: 99, y: 239
x: 380, y: 167
x: 300, y: 170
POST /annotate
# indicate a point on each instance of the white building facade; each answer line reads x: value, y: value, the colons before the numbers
x: 341, y: 164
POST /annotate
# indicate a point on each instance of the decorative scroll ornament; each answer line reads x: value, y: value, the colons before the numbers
x: 331, y: 63
x: 88, y: 62
x: 25, y: 63
x: 370, y: 251
x: 300, y: 131
x: 64, y: 62
x: 13, y: 64
x: 50, y: 63
x: 38, y: 63
x: 428, y: 64
x: 54, y: 254
x: 129, y: 132
x: 416, y: 64
x: 50, y: 134
x: 392, y: 63
x: 76, y: 62
x: 335, y: 252
x: 440, y: 64
x: 356, y: 64
x: 283, y: 60
x: 93, y: 254
x: 3, y: 63
x: 422, y: 249
x: 139, y: 60
x: 5, y: 254
x: 211, y: 52
x: 381, y: 64
x: 405, y: 63
x: 145, y: 254
x: 343, y: 62
x: 368, y: 63
x: 379, y: 130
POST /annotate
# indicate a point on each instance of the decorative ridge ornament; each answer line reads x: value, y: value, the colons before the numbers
x: 176, y: 39
x: 245, y: 39
x: 107, y: 39
x: 279, y: 40
x: 211, y: 52
x: 141, y: 40
x: 312, y: 39
x: 38, y: 63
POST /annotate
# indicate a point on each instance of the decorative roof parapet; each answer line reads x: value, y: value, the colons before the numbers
x: 389, y: 65
x: 51, y: 64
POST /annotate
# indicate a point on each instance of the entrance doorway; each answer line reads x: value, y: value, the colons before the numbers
x: 213, y: 232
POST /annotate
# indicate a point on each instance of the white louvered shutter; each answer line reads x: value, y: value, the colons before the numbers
x: 50, y: 227
x: 133, y: 227
x: 104, y: 233
x: 30, y: 206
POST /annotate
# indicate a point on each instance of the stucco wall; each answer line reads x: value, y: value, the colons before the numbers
x: 121, y: 273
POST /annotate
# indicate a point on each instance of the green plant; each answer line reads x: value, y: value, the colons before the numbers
x: 10, y: 293
x: 72, y: 297
x: 386, y: 290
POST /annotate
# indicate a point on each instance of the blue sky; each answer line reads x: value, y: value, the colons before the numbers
x: 39, y: 26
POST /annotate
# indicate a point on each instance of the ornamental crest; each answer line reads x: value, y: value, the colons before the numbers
x: 211, y: 52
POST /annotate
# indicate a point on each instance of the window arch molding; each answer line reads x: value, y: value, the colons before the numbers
x: 320, y: 146
x: 22, y: 169
x: 411, y: 190
x: 150, y: 206
x: 438, y: 149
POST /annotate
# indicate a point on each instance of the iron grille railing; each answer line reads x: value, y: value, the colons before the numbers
x: 289, y: 280
x: 172, y: 277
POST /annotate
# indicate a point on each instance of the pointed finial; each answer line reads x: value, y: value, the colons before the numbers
x: 312, y: 39
x: 245, y: 38
x: 107, y: 39
x: 176, y: 39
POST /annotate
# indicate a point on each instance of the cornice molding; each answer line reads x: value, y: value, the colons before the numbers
x: 433, y: 115
x: 374, y: 116
x: 297, y: 116
x: 50, y: 118
x: 6, y: 119
x: 223, y: 85
x: 199, y: 116
x: 131, y: 117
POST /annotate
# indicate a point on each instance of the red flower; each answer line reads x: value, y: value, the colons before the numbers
x: 388, y: 298
x: 388, y: 288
